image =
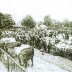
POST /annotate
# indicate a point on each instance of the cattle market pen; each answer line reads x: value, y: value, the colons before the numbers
x: 9, y: 57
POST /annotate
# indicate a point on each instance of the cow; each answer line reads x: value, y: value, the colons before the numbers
x: 25, y: 55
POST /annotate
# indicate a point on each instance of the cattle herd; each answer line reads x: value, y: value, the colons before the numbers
x: 34, y: 39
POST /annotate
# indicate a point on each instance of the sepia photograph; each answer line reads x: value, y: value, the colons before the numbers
x: 35, y: 36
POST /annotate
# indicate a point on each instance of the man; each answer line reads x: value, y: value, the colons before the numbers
x: 49, y: 46
x: 0, y: 33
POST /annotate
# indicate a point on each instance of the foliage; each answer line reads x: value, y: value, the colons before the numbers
x: 6, y: 21
x: 47, y: 20
x: 1, y: 20
x: 28, y: 22
x: 66, y: 23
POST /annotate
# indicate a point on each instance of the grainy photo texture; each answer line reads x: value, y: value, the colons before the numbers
x: 35, y: 36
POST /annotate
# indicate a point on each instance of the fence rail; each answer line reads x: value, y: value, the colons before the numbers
x: 21, y: 69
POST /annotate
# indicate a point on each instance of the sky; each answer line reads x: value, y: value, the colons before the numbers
x: 57, y: 9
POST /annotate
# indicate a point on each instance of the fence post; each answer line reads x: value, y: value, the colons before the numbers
x: 8, y: 63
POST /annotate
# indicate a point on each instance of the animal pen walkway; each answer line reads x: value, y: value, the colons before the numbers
x: 60, y: 62
x: 46, y: 63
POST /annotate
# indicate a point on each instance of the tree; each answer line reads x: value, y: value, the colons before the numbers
x: 6, y: 21
x: 40, y: 23
x: 66, y: 23
x: 1, y: 20
x: 0, y: 33
x: 47, y: 20
x: 28, y: 22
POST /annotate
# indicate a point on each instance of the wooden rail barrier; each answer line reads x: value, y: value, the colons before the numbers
x: 23, y: 70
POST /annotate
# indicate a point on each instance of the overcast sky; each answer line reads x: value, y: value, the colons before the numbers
x: 58, y: 9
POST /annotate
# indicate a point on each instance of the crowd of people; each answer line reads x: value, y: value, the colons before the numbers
x: 36, y: 40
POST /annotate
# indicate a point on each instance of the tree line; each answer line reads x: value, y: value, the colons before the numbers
x: 28, y: 22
